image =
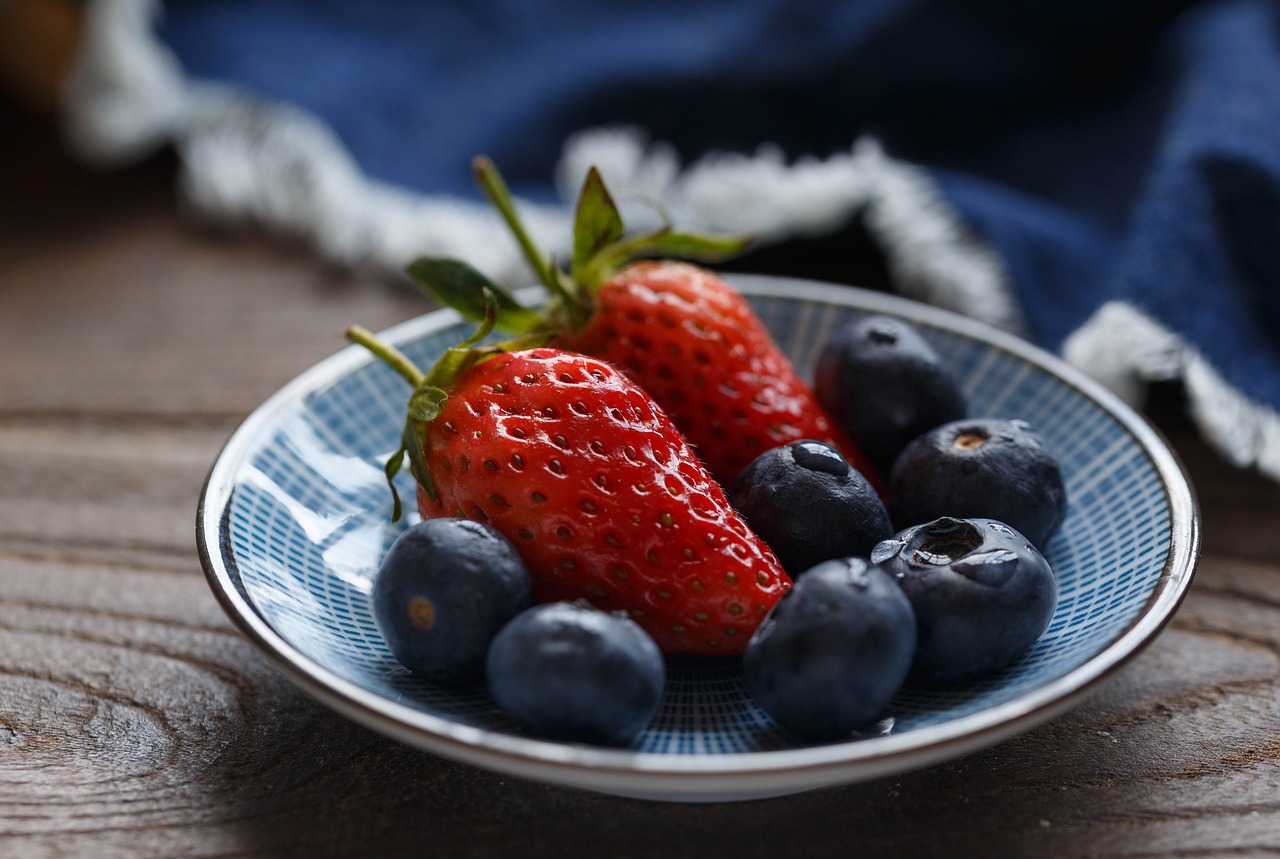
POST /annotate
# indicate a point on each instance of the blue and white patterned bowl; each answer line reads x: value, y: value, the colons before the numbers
x: 294, y: 520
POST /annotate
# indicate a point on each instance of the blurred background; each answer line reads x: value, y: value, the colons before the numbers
x: 196, y: 198
x: 1101, y: 177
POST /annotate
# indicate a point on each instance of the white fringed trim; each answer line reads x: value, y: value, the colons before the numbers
x: 246, y: 160
x: 1125, y: 349
x: 125, y: 96
x: 928, y: 252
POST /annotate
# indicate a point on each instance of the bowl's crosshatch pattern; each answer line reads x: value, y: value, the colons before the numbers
x: 308, y: 521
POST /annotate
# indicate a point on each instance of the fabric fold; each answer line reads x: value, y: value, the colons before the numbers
x: 1117, y: 202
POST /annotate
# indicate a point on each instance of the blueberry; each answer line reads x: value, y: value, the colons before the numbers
x: 445, y: 588
x: 986, y: 468
x: 567, y: 671
x: 833, y: 651
x: 809, y: 505
x: 885, y: 385
x: 982, y: 595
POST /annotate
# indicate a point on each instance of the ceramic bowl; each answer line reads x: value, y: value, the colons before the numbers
x: 294, y: 520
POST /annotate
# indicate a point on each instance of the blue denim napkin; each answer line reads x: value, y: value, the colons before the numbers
x: 1102, y: 176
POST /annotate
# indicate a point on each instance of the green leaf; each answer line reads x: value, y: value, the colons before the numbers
x: 452, y: 364
x: 426, y: 402
x: 391, y: 469
x: 690, y: 246
x: 456, y: 284
x: 415, y: 435
x: 667, y: 244
x: 597, y: 224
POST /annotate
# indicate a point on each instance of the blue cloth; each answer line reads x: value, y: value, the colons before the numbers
x: 1125, y: 149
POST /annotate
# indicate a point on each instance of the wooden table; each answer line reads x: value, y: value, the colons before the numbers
x: 135, y: 720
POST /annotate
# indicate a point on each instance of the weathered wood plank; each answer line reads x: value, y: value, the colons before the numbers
x: 138, y: 722
x: 135, y: 720
x: 146, y: 319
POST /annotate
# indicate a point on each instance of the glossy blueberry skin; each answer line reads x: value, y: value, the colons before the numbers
x: 833, y: 651
x: 885, y: 385
x: 444, y: 589
x: 810, y: 505
x: 980, y: 467
x: 568, y: 671
x: 982, y: 595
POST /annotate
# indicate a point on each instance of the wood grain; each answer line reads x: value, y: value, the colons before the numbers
x: 136, y: 721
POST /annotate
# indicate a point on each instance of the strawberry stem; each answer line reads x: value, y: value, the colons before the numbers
x: 389, y: 355
x: 561, y: 288
x: 499, y: 195
x: 424, y: 405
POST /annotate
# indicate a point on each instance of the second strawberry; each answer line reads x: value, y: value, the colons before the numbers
x: 680, y: 331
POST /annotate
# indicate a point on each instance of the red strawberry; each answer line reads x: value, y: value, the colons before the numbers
x: 601, y: 495
x: 696, y: 346
x: 681, y: 332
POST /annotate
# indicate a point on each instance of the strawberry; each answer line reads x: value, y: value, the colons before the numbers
x: 697, y: 347
x: 680, y: 331
x: 600, y: 494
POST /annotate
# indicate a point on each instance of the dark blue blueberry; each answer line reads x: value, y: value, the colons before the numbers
x: 982, y: 595
x: 443, y: 591
x: 885, y: 385
x: 980, y: 468
x: 810, y: 505
x: 833, y: 651
x: 567, y: 671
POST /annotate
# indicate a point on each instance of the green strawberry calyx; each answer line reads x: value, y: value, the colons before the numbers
x: 431, y: 390
x: 601, y: 247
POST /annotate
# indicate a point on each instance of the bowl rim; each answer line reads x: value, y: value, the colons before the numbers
x: 721, y: 776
